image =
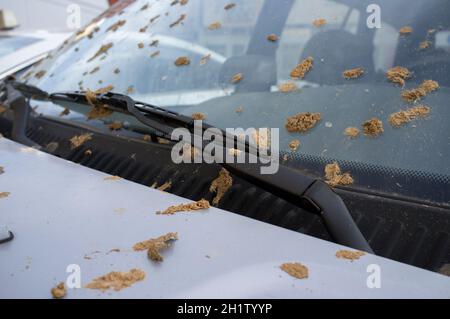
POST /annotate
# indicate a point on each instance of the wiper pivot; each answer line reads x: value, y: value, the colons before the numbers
x: 17, y: 96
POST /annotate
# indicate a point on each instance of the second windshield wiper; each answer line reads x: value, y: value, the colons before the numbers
x: 310, y: 194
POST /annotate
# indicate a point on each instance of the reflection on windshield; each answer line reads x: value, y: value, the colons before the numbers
x: 377, y: 90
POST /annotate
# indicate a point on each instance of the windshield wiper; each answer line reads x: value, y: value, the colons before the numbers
x: 16, y: 95
x: 310, y: 194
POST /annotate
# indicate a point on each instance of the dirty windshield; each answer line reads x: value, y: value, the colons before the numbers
x: 343, y: 80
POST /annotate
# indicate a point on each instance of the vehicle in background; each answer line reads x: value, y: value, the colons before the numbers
x: 20, y: 49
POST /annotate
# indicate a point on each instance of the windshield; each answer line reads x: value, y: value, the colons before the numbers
x: 10, y: 44
x: 261, y: 63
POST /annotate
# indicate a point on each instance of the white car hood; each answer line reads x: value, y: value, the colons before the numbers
x: 60, y: 212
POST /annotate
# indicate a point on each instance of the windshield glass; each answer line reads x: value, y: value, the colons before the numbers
x: 259, y: 63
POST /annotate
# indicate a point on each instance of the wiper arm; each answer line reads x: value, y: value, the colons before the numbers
x: 28, y: 91
x: 16, y: 95
x: 157, y: 118
x: 310, y: 194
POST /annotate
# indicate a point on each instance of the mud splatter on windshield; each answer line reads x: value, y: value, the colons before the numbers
x: 116, y: 26
x: 272, y: 37
x: 40, y: 74
x: 353, y: 73
x: 64, y: 112
x: 294, y: 145
x: 215, y: 25
x: 423, y: 90
x: 373, y: 127
x: 352, y: 132
x: 302, y: 68
x: 199, y: 116
x: 288, y: 87
x: 403, y: 117
x: 302, y: 122
x: 398, y: 75
x: 319, y: 22
x: 405, y: 30
x: 229, y: 6
x: 115, y: 126
x: 4, y: 194
x: 237, y: 78
x: 182, y: 61
x: 335, y: 177
x: 102, y: 51
x: 178, y: 21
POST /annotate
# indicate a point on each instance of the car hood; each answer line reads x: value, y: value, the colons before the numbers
x: 64, y: 214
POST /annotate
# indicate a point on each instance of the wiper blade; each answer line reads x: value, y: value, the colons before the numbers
x: 310, y: 194
x: 161, y: 120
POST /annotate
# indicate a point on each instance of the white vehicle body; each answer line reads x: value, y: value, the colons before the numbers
x: 61, y: 213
